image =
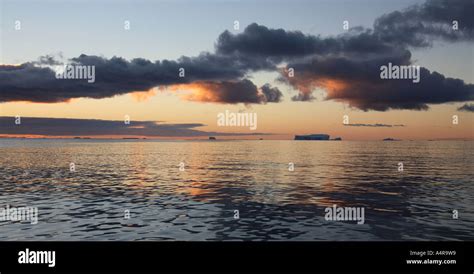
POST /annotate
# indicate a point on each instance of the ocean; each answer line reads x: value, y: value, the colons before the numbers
x: 256, y: 190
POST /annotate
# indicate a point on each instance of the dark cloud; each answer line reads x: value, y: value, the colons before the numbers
x: 347, y: 66
x: 230, y: 92
x: 467, y: 107
x: 349, y: 70
x: 115, y: 76
x: 261, y: 41
x: 90, y: 127
x: 49, y: 60
x: 271, y: 94
x: 358, y: 83
x: 303, y: 97
x: 276, y: 45
x: 372, y: 125
x: 418, y: 25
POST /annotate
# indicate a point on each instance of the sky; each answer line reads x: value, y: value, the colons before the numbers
x: 244, y: 70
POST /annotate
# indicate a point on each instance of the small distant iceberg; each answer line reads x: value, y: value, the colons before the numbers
x: 313, y: 137
x: 390, y: 139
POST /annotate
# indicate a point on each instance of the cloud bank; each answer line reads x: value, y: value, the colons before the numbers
x: 93, y: 127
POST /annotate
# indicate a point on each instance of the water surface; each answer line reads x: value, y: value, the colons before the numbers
x: 250, y: 176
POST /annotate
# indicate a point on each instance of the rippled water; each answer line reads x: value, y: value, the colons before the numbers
x: 250, y: 176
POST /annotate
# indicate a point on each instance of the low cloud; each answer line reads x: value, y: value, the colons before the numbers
x: 92, y: 127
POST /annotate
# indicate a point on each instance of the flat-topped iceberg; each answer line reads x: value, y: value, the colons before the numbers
x: 318, y: 137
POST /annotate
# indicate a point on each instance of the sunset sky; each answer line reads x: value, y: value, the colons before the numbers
x: 334, y: 73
